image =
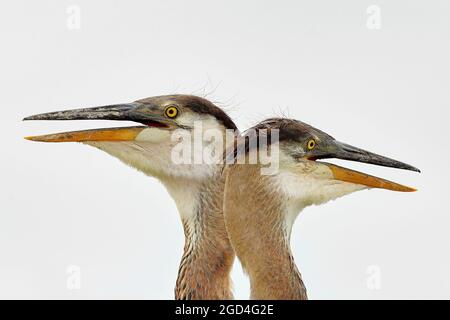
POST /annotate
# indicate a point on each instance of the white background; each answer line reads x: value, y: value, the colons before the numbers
x: 384, y: 90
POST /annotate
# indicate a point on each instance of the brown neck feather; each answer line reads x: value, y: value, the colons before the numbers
x: 208, y: 257
x: 255, y: 222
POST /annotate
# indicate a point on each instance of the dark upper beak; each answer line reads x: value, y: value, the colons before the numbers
x: 126, y: 112
x: 339, y: 150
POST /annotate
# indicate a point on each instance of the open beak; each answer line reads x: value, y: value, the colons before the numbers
x: 135, y: 111
x: 339, y: 150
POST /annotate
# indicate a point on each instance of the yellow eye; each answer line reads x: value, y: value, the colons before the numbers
x: 311, y: 144
x: 171, y: 112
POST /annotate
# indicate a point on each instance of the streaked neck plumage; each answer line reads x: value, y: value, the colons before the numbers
x: 256, y: 226
x: 198, y: 193
x: 259, y: 212
x: 208, y: 257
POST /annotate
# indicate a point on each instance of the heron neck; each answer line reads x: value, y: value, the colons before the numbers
x: 205, y: 267
x: 256, y: 222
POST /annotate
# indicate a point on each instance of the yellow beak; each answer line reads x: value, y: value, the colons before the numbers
x: 110, y: 134
x: 348, y: 175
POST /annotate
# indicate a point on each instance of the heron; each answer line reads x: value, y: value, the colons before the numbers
x: 259, y: 210
x: 196, y: 187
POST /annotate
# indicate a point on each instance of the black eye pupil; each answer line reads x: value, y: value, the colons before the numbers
x: 171, y: 112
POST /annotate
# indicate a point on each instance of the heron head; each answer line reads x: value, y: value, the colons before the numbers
x: 303, y: 175
x: 147, y: 146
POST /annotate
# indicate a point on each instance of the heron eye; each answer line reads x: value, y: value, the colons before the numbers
x: 171, y: 112
x: 311, y: 144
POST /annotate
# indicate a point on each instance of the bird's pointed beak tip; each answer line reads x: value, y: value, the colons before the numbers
x: 403, y: 188
x: 411, y: 168
x: 35, y: 138
x: 406, y: 189
x: 33, y: 117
